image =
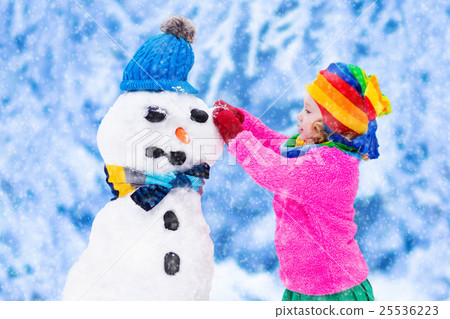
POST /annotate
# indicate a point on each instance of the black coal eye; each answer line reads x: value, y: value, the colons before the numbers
x: 155, y: 114
x: 199, y: 116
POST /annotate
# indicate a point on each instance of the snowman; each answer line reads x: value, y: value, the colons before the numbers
x: 158, y: 141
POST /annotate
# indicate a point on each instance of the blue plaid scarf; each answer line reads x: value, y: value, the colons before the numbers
x: 149, y: 189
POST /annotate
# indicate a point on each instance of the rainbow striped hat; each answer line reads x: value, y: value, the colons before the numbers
x: 348, y: 98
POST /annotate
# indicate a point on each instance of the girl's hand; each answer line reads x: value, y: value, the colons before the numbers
x: 222, y: 105
x: 227, y: 121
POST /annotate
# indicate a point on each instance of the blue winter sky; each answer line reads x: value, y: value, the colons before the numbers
x: 61, y: 65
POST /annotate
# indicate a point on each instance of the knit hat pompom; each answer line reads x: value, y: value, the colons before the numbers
x: 179, y: 26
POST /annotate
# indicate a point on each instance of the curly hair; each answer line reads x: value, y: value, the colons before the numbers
x: 320, y: 135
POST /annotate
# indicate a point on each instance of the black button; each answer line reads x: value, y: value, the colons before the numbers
x: 171, y: 263
x: 171, y: 220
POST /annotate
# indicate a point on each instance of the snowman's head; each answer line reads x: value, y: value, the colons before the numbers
x: 159, y: 132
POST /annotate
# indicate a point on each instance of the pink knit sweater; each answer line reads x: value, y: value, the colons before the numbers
x: 313, y: 203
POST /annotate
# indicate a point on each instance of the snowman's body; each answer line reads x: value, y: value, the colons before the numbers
x: 164, y: 253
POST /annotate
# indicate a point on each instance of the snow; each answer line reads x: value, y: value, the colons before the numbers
x: 127, y: 247
x: 60, y: 74
x: 233, y: 283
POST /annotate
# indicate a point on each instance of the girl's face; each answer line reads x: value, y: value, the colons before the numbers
x: 307, y: 117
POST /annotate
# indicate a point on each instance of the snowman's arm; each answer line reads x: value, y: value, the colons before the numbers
x: 268, y: 137
x: 293, y: 177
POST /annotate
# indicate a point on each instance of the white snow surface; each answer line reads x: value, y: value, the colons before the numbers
x: 125, y: 256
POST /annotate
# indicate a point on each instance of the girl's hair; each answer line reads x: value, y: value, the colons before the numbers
x: 320, y: 135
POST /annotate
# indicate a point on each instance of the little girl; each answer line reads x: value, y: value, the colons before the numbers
x: 314, y: 175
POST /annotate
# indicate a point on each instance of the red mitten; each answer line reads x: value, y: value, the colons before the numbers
x: 227, y: 123
x: 225, y: 106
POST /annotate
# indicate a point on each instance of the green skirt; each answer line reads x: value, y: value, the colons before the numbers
x: 362, y: 292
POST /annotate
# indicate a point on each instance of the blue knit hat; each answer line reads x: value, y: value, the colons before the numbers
x: 163, y: 61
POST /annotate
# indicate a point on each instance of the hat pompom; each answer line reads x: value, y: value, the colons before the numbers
x: 179, y: 26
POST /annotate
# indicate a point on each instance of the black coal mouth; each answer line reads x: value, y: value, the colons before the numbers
x: 154, y: 152
x: 175, y: 158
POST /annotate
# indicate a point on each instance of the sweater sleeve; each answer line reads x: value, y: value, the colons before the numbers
x: 269, y: 138
x: 292, y: 177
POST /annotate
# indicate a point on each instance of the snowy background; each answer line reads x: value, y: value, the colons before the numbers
x: 60, y: 72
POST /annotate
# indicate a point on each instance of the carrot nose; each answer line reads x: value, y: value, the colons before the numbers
x: 182, y: 135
